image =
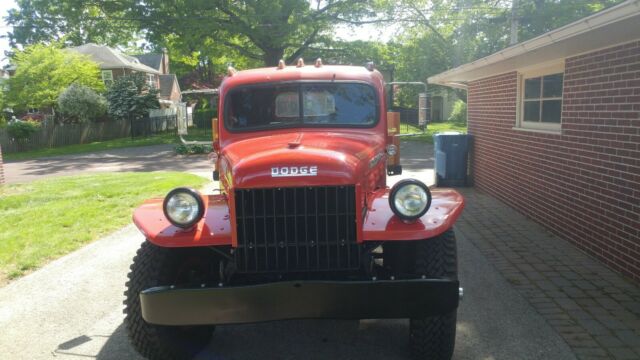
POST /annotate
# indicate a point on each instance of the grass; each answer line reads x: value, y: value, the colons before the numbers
x: 432, y: 128
x: 194, y: 134
x: 45, y: 219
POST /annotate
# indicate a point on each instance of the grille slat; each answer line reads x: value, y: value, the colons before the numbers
x: 296, y: 229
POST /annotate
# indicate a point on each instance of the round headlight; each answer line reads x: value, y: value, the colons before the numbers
x: 183, y: 207
x: 410, y: 199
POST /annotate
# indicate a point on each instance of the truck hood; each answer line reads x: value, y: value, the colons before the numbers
x: 301, y: 159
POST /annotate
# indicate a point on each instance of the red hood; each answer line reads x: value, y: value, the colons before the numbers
x: 339, y: 159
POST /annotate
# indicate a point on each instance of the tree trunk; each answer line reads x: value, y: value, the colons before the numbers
x: 271, y: 57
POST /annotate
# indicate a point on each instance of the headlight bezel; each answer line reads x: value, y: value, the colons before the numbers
x: 397, y: 187
x: 191, y: 192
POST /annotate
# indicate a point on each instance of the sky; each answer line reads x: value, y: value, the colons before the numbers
x: 5, y: 5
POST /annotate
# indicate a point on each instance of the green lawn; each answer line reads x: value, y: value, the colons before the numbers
x: 45, y: 219
x: 194, y: 134
x: 432, y: 128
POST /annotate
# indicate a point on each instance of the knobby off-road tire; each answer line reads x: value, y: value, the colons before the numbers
x: 154, y: 266
x: 433, y: 338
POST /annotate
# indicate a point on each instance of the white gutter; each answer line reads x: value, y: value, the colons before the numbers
x: 608, y: 16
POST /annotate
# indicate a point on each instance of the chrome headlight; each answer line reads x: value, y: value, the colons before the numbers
x: 410, y: 199
x: 183, y: 207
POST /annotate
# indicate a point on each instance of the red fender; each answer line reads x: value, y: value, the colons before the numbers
x: 381, y: 223
x: 213, y: 229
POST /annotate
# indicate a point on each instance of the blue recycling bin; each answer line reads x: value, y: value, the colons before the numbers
x: 452, y: 157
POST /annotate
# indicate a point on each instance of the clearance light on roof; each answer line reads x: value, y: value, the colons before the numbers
x: 281, y: 64
x: 371, y: 66
x: 231, y: 71
x: 318, y: 62
x: 300, y: 63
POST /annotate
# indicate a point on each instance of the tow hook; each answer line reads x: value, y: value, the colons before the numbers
x: 460, y: 293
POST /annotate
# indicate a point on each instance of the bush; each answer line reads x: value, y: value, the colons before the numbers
x: 459, y: 112
x: 130, y: 97
x: 81, y: 104
x: 192, y: 149
x: 22, y: 129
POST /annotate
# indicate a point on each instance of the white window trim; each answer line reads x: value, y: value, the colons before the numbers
x: 546, y: 69
x: 151, y: 80
x: 108, y: 78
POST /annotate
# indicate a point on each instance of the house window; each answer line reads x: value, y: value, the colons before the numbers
x: 151, y: 81
x: 540, y: 104
x: 107, y: 77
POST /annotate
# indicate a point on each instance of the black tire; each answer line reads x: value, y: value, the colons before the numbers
x: 433, y: 338
x: 154, y: 266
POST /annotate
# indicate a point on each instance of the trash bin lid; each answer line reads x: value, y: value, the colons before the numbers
x: 448, y: 133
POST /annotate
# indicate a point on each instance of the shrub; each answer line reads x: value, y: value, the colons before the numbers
x: 81, y: 104
x: 130, y: 97
x: 183, y: 149
x: 22, y: 129
x: 459, y: 112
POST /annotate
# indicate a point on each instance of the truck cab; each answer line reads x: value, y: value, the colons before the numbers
x: 303, y: 225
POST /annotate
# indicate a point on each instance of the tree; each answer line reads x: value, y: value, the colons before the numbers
x: 130, y: 97
x: 81, y: 104
x: 43, y: 72
x: 73, y: 22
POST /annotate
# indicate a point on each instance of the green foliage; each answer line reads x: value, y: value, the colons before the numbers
x: 459, y: 112
x: 81, y: 104
x: 131, y: 97
x: 44, y: 72
x: 193, y: 149
x: 23, y: 129
x: 74, y: 22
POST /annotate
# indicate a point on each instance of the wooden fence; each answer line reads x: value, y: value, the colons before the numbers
x: 55, y: 135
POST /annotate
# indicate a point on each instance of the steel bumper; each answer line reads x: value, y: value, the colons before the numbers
x: 299, y: 300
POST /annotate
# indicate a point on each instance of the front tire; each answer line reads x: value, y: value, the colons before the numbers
x: 154, y: 266
x: 433, y: 338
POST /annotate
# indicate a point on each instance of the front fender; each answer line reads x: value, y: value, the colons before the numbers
x: 381, y: 223
x: 213, y: 229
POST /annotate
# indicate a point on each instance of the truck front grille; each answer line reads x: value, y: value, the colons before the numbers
x: 296, y: 229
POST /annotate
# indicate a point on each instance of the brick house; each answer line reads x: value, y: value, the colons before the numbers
x: 114, y: 64
x: 168, y: 83
x: 555, y: 122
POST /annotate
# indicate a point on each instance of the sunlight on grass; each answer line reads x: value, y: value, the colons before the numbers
x: 432, y: 128
x: 43, y: 220
x: 194, y: 134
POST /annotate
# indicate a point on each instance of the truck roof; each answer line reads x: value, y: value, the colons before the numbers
x: 306, y: 72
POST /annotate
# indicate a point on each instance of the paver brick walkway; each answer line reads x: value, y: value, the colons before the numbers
x: 596, y: 311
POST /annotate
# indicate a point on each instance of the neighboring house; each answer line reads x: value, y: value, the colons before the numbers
x: 169, y: 87
x: 442, y: 102
x: 114, y: 64
x: 159, y: 62
x: 555, y: 122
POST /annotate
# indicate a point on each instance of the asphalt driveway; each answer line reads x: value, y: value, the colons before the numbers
x: 72, y: 308
x: 144, y: 158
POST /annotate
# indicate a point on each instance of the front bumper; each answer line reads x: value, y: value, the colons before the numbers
x: 384, y: 299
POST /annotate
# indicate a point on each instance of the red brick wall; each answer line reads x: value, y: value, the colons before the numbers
x: 584, y: 184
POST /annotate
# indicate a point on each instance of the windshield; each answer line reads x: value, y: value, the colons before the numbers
x: 301, y: 105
